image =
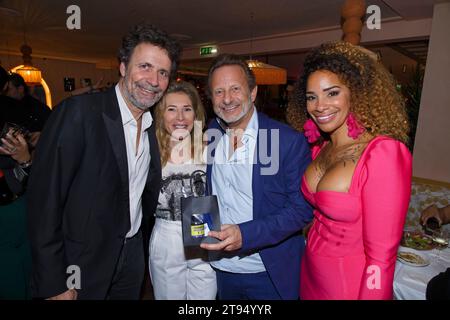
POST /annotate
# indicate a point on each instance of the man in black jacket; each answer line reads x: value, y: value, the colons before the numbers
x: 96, y: 179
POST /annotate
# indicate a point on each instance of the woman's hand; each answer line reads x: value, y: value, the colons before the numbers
x: 16, y: 147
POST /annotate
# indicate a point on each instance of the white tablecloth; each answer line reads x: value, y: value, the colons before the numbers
x: 410, y: 283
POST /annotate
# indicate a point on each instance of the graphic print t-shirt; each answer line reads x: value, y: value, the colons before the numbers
x: 179, y: 180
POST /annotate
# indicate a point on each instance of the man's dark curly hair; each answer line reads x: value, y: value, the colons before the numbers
x: 147, y: 33
x: 374, y: 99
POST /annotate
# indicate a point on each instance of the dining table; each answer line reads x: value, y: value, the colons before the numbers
x: 410, y: 280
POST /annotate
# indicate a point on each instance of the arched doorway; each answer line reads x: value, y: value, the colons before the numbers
x: 48, y: 96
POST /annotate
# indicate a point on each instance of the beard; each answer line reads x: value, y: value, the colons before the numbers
x: 233, y: 119
x: 142, y: 102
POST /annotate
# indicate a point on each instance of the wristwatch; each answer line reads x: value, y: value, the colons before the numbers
x: 25, y: 164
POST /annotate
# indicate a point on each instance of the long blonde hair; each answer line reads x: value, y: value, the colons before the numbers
x: 164, y: 136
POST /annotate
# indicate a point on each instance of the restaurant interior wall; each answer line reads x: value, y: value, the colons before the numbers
x: 54, y: 71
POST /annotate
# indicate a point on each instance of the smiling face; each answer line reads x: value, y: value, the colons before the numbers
x: 145, y: 77
x: 178, y: 115
x: 232, y: 98
x: 328, y: 101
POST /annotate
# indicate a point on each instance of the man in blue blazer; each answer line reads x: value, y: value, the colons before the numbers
x: 255, y: 165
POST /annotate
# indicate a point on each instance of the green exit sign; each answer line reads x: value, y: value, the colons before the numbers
x: 204, y: 51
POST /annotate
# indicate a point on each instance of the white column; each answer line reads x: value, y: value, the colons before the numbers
x: 432, y: 145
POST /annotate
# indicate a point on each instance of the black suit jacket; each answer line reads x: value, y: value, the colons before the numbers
x: 78, y: 199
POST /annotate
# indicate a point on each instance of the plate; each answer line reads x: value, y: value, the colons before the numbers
x: 419, y: 241
x: 412, y: 259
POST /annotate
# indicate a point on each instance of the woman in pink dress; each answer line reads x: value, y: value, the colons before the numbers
x: 360, y: 179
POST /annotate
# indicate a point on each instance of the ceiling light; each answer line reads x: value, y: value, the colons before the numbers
x: 267, y: 74
x: 30, y: 74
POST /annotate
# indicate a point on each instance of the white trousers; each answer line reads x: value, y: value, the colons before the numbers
x: 178, y: 272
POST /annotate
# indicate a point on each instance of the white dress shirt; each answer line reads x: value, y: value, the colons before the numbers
x: 232, y: 183
x: 138, y: 160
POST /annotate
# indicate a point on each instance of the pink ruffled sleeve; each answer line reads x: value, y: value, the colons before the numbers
x: 385, y: 193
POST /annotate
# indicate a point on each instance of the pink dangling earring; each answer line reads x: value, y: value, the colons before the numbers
x: 355, y: 129
x: 311, y: 130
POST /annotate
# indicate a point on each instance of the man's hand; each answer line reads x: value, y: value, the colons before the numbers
x: 70, y: 294
x: 431, y: 211
x: 98, y: 84
x: 230, y: 236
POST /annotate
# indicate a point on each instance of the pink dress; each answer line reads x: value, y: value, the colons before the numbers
x: 352, y: 245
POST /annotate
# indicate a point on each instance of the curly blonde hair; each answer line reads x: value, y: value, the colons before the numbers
x: 375, y: 101
x: 163, y: 136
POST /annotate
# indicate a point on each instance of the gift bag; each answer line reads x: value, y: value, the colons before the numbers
x: 199, y: 216
x: 200, y: 213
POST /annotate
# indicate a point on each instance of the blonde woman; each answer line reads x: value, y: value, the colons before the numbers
x: 178, y: 272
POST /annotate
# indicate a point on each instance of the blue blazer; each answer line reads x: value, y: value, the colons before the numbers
x: 279, y: 210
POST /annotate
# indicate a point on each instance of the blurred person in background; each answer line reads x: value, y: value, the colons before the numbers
x: 16, y: 152
x: 32, y: 113
x: 438, y: 287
